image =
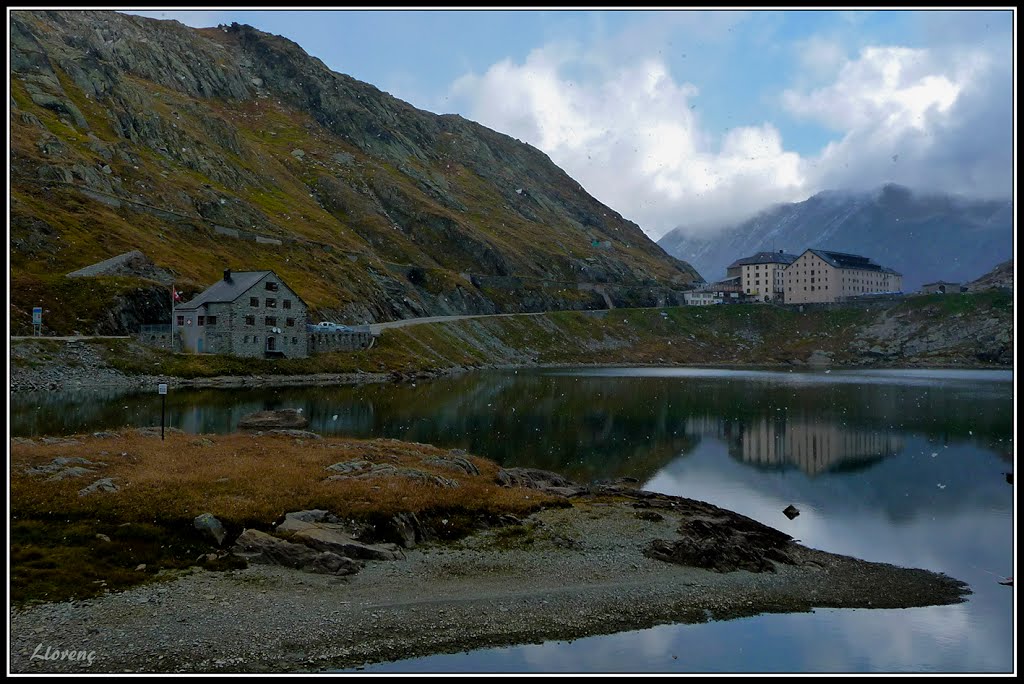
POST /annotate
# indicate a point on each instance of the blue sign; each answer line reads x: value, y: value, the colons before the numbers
x: 37, y: 315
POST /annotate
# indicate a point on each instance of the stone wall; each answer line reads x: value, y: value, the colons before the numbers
x: 339, y: 341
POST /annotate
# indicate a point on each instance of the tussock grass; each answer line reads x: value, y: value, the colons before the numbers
x: 68, y: 546
x: 249, y: 480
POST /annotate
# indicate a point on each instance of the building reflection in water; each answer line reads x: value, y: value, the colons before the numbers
x: 814, y: 447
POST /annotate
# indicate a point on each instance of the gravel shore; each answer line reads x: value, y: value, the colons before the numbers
x: 576, y: 572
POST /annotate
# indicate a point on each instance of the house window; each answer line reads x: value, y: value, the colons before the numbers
x: 250, y: 320
x: 295, y: 340
x: 211, y: 320
x: 290, y: 322
x: 254, y: 301
x: 245, y: 339
x: 271, y: 303
x: 287, y: 304
x: 188, y: 321
x: 271, y: 321
x: 201, y: 321
x: 181, y: 320
x: 271, y: 286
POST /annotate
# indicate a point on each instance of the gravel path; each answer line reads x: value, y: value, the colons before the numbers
x: 577, y: 572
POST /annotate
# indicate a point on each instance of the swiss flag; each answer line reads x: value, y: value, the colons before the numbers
x: 177, y: 296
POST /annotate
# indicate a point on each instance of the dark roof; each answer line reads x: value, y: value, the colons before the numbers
x: 844, y: 260
x: 226, y: 290
x: 940, y: 282
x: 765, y: 258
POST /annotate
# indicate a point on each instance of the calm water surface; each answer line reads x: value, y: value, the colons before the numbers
x: 903, y: 467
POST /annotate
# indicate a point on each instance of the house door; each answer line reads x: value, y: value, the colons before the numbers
x: 199, y: 345
x: 271, y: 343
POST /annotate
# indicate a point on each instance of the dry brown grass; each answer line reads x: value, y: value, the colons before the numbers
x: 247, y: 480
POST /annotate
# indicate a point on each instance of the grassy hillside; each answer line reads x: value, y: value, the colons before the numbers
x: 189, y: 144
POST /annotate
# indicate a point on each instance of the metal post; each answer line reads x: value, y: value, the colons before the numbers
x: 162, y: 389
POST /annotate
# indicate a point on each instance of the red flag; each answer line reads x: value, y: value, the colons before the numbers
x: 177, y: 296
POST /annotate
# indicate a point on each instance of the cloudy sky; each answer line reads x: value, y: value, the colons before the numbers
x: 696, y: 118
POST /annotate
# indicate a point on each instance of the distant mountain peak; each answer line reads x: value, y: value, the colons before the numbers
x: 927, y: 236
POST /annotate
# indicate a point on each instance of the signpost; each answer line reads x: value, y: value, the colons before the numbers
x: 162, y: 390
x: 37, y: 320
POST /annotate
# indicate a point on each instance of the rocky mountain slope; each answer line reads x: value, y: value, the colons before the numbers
x: 926, y: 237
x: 228, y: 146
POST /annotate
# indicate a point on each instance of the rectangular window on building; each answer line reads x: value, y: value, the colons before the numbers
x: 250, y: 320
x: 287, y: 303
x: 271, y: 286
x: 201, y: 321
x: 181, y: 320
x: 254, y: 301
x: 271, y: 321
x: 295, y: 340
x: 271, y: 303
x: 290, y: 322
x: 211, y: 320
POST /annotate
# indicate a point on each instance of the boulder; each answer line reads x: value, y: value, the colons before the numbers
x: 791, y: 511
x: 324, y: 538
x: 104, y: 484
x: 210, y: 527
x: 266, y: 420
x: 406, y: 528
x: 260, y: 547
x: 334, y: 538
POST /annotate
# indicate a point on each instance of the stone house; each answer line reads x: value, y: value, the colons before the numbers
x: 249, y: 313
x: 820, y: 275
x: 942, y: 287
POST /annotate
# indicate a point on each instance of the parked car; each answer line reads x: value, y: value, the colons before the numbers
x: 328, y: 326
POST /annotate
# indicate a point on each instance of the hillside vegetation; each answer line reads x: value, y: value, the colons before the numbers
x: 230, y: 147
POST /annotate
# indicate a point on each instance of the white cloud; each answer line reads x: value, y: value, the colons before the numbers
x: 940, y: 121
x: 629, y: 134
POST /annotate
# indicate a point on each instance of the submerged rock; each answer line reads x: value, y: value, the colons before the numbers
x: 265, y: 420
x: 791, y: 511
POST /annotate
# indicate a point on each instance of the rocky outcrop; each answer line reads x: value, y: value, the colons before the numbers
x: 260, y: 547
x: 999, y: 277
x: 929, y: 333
x: 364, y: 470
x: 725, y: 546
x: 544, y: 480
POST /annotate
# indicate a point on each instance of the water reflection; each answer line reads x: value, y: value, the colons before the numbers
x: 594, y: 424
x: 903, y: 467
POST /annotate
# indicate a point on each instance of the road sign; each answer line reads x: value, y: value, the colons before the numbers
x: 162, y: 388
x: 37, y: 315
